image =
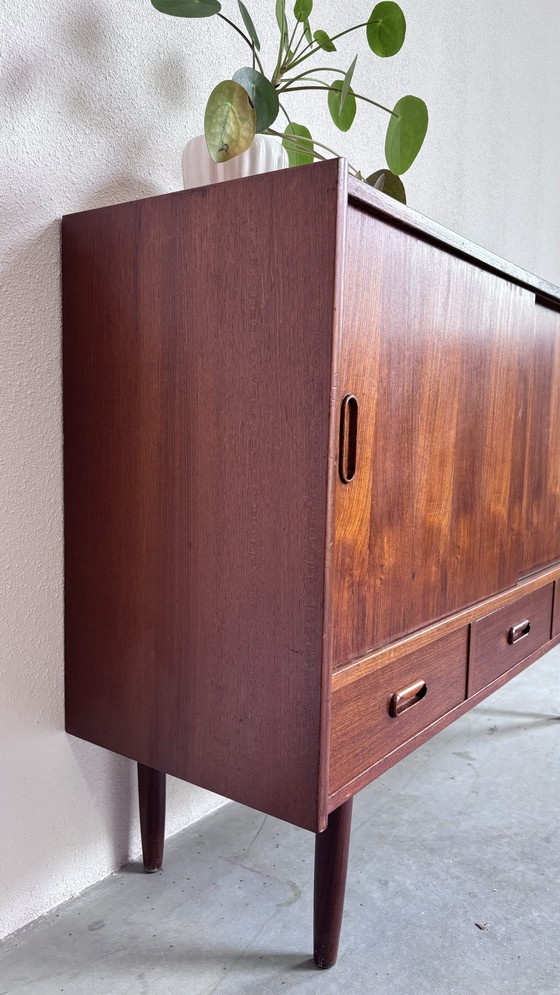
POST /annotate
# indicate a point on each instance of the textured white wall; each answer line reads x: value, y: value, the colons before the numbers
x: 97, y: 101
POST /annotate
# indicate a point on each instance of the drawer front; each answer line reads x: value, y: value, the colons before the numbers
x: 556, y: 610
x: 507, y: 636
x: 369, y: 720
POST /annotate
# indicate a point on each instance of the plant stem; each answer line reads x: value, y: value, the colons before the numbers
x: 285, y: 113
x: 303, y: 56
x: 305, y: 79
x: 305, y: 141
x: 294, y: 89
x: 296, y: 49
x: 245, y: 38
x: 293, y: 36
x: 356, y: 27
x: 297, y: 147
x: 303, y: 75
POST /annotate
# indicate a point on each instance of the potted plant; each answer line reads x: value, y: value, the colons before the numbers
x: 251, y: 102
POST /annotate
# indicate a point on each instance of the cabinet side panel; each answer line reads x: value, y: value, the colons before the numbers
x: 435, y: 350
x: 197, y: 364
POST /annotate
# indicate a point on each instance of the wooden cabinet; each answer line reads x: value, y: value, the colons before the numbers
x: 312, y: 450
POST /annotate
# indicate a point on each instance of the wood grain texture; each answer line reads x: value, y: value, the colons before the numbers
x: 331, y: 481
x: 151, y: 804
x: 556, y: 611
x: 362, y: 730
x: 369, y: 775
x: 541, y: 527
x: 197, y: 367
x: 216, y: 565
x: 331, y: 865
x: 491, y: 652
x: 362, y: 666
x: 361, y: 195
x: 432, y: 520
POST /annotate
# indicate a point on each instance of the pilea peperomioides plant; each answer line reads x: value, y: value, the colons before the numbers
x: 250, y: 102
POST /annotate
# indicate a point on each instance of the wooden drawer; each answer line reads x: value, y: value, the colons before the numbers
x: 507, y: 636
x: 363, y: 730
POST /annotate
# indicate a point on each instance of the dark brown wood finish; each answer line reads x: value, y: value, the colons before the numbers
x: 541, y: 542
x: 504, y: 637
x: 361, y: 666
x: 432, y: 519
x: 238, y: 562
x: 369, y: 775
x: 151, y: 801
x: 362, y: 728
x: 556, y: 611
x: 331, y: 865
x: 197, y: 367
x: 363, y: 671
x: 409, y: 221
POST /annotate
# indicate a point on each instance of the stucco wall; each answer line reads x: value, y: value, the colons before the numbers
x: 97, y: 102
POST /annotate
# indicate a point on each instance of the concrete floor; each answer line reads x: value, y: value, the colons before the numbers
x: 464, y: 831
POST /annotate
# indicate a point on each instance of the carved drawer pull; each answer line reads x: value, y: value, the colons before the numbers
x: 518, y: 631
x: 406, y: 698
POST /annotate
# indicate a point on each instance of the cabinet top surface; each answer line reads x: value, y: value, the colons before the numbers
x: 404, y: 217
x: 366, y: 198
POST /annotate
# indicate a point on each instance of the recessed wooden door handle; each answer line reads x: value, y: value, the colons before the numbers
x: 348, y: 438
x: 401, y: 700
x: 518, y: 631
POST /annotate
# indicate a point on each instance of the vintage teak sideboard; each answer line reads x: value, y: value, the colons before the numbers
x: 312, y: 491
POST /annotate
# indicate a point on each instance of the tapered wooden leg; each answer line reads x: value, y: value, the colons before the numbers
x: 151, y: 797
x: 331, y: 863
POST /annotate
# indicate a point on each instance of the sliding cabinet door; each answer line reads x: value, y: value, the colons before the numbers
x: 433, y: 349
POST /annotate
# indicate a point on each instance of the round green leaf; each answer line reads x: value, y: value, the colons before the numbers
x: 229, y: 121
x: 188, y: 8
x: 323, y: 40
x: 262, y: 95
x: 386, y: 29
x: 296, y: 157
x: 405, y: 133
x: 248, y: 22
x: 302, y: 9
x: 342, y: 118
x: 390, y: 184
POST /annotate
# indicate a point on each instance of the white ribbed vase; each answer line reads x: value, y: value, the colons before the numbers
x: 199, y: 169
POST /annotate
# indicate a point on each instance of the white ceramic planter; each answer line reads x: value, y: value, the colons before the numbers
x: 199, y: 169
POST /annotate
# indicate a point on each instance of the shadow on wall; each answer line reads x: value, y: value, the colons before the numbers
x: 127, y: 105
x: 104, y: 102
x: 111, y: 783
x: 83, y: 118
x: 31, y: 534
